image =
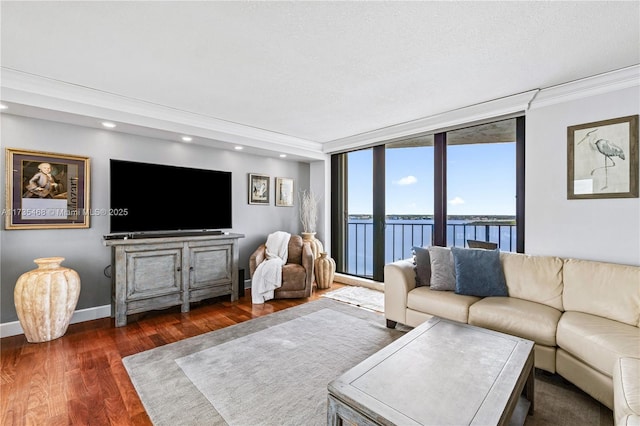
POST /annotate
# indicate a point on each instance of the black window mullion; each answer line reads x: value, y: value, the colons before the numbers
x: 379, y: 185
x: 440, y: 190
x: 339, y: 226
x: 520, y: 164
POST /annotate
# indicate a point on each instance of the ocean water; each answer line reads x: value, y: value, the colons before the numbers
x: 401, y: 235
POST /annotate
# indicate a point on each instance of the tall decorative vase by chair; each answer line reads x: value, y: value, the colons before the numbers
x: 314, y: 243
x: 45, y: 299
x: 325, y: 269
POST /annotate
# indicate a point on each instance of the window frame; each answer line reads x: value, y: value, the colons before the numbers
x: 339, y: 192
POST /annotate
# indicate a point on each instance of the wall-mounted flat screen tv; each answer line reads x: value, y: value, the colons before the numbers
x: 149, y: 197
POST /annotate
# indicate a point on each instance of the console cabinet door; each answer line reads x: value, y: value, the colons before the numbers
x: 156, y: 273
x: 154, y: 278
x: 210, y: 272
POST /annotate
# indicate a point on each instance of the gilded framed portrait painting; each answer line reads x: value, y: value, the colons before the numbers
x: 46, y: 190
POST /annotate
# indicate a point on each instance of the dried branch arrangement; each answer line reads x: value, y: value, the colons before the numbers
x: 308, y: 210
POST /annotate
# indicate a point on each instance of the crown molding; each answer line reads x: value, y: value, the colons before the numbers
x: 74, y: 100
x: 495, y: 109
x: 474, y: 114
x: 602, y: 83
x: 69, y: 100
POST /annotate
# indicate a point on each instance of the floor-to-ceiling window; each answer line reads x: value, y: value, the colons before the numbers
x: 437, y: 189
x: 481, y: 185
x: 409, y: 196
x: 359, y: 195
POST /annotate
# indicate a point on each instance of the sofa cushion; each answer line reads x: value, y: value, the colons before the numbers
x: 443, y: 274
x: 626, y: 391
x: 534, y: 278
x: 529, y: 320
x: 422, y: 263
x: 444, y: 304
x: 478, y: 272
x: 604, y: 289
x: 597, y: 341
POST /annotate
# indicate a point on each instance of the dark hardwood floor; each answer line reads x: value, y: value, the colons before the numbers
x: 79, y: 379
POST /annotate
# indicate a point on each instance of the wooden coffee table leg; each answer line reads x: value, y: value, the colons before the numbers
x: 529, y: 389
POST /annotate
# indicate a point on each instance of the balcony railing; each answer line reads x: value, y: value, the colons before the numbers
x: 400, y: 237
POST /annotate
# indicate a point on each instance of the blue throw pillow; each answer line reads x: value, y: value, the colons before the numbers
x: 479, y: 272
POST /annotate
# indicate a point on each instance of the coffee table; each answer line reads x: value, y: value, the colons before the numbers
x: 440, y: 373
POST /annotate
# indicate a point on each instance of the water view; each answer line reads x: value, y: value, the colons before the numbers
x: 402, y: 232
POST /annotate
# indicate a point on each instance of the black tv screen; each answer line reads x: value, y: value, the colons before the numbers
x: 153, y: 197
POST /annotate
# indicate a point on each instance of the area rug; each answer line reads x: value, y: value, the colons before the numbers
x: 559, y: 402
x: 359, y: 296
x: 274, y: 370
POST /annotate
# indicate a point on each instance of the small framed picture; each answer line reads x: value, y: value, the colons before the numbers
x: 602, y: 159
x: 46, y: 190
x: 284, y: 192
x: 258, y: 189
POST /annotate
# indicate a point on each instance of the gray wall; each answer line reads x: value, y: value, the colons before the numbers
x: 83, y: 248
x: 606, y: 230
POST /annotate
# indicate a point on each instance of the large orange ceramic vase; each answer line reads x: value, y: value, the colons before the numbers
x: 46, y: 298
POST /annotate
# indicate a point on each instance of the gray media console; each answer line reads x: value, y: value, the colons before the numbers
x: 156, y: 273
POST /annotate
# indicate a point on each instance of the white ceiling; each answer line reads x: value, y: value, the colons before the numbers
x: 315, y: 72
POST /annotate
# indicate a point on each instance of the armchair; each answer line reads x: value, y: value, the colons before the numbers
x: 297, y: 273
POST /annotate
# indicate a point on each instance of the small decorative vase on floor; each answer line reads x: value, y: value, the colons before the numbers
x: 314, y: 243
x: 45, y: 299
x: 325, y: 268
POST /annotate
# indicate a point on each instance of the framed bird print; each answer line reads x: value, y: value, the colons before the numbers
x: 602, y: 159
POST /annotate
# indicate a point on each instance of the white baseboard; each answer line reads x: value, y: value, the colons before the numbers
x: 358, y: 281
x: 14, y: 328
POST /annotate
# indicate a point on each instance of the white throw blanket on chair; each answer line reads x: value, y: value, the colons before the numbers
x: 268, y: 274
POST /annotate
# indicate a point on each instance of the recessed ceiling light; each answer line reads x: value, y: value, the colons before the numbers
x: 238, y: 148
x: 187, y: 138
x: 283, y: 155
x: 3, y: 106
x: 108, y: 124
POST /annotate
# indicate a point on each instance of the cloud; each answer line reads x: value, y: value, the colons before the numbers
x: 407, y: 180
x: 456, y: 201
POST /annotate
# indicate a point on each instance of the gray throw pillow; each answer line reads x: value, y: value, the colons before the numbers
x: 479, y: 272
x: 422, y: 266
x: 443, y: 274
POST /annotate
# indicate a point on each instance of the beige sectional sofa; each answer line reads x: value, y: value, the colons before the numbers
x: 582, y: 315
x: 626, y: 392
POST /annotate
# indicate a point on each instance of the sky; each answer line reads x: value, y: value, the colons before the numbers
x: 481, y: 180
